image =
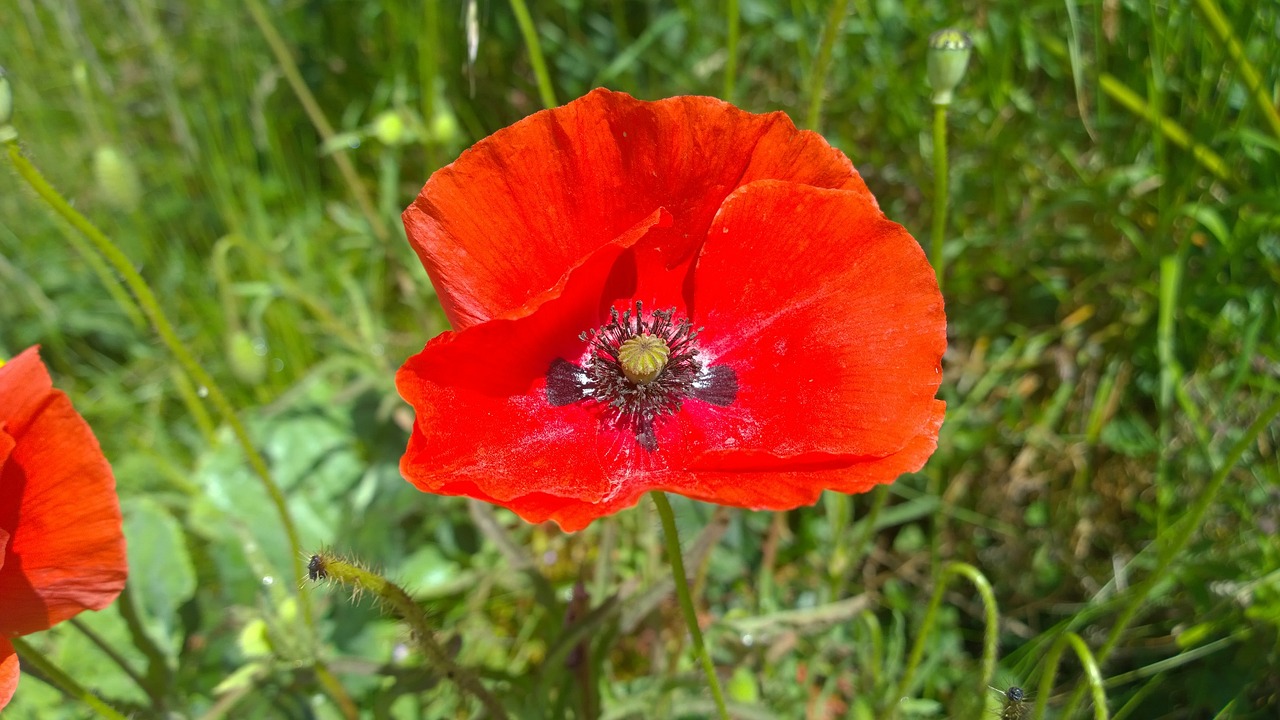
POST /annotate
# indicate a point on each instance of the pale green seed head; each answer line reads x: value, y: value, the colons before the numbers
x: 643, y: 357
x: 949, y: 51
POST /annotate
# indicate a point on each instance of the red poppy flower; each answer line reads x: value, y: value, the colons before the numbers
x: 673, y: 295
x: 61, y: 543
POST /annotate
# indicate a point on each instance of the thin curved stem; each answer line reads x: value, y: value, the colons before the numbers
x: 160, y: 322
x: 1092, y: 674
x: 63, y: 681
x: 672, y: 536
x: 818, y: 72
x: 941, y: 190
x: 990, y: 636
x: 530, y: 33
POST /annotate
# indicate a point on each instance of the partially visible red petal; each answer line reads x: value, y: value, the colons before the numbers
x: 65, y: 551
x: 832, y: 319
x: 8, y: 672
x: 502, y: 223
x: 484, y: 426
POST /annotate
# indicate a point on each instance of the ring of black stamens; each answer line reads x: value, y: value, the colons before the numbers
x: 636, y: 407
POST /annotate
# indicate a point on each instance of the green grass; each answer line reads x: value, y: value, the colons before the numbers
x: 1108, y: 464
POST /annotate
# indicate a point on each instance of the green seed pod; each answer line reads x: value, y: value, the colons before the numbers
x: 117, y: 178
x: 389, y: 128
x: 6, y: 99
x: 247, y: 364
x: 948, y: 59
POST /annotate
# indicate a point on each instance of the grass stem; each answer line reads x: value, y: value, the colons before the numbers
x: 818, y: 71
x: 990, y: 635
x: 733, y: 18
x: 530, y: 33
x: 318, y: 120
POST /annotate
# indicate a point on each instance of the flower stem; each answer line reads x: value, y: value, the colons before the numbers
x: 530, y: 33
x: 63, y: 681
x: 160, y: 322
x: 672, y: 537
x: 330, y: 567
x: 940, y: 190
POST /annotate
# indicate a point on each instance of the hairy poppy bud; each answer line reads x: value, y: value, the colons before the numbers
x: 948, y: 58
x: 117, y: 178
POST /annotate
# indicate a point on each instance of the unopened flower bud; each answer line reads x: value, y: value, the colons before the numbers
x: 117, y: 178
x: 948, y: 58
x: 389, y: 127
x: 6, y: 99
x: 246, y: 360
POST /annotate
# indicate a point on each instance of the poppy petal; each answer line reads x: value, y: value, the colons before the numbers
x: 485, y: 427
x: 65, y: 551
x: 501, y: 223
x: 832, y: 320
x: 8, y: 671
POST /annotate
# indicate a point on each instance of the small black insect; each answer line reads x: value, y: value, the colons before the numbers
x: 315, y: 568
x: 1015, y: 705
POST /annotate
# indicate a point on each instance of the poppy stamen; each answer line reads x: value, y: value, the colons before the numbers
x: 639, y: 369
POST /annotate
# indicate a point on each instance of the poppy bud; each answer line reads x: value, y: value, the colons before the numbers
x: 6, y: 99
x: 117, y: 178
x: 247, y: 363
x: 389, y: 127
x: 948, y: 58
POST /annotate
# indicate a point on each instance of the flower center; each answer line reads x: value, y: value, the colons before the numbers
x: 643, y: 357
x: 639, y: 369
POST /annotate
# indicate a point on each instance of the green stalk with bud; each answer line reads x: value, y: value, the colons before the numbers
x: 949, y: 51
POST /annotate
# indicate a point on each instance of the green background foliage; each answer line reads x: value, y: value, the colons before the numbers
x: 1113, y: 255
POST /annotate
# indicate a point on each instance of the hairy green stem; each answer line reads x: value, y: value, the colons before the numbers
x: 530, y: 33
x: 160, y: 322
x: 674, y: 556
x: 63, y: 681
x: 818, y: 72
x: 1183, y: 531
x: 990, y: 636
x: 940, y: 191
x: 1092, y: 674
x: 731, y: 48
x: 326, y: 566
